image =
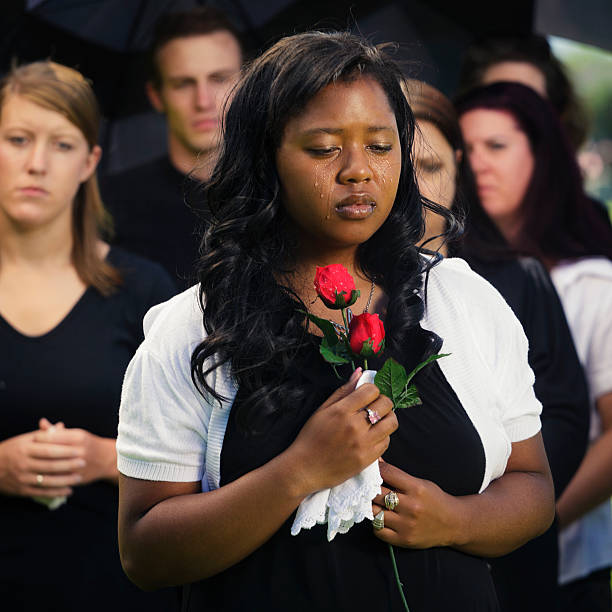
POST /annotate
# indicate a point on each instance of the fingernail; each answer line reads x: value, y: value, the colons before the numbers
x: 355, y: 375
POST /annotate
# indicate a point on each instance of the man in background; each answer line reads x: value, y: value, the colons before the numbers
x: 157, y: 207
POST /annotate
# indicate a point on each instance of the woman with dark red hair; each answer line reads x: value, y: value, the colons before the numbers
x: 530, y: 186
x: 526, y: 579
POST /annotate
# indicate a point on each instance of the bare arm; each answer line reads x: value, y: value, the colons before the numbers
x: 513, y: 509
x: 169, y: 533
x: 592, y: 483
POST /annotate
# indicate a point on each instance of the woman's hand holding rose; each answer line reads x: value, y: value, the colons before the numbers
x: 337, y: 441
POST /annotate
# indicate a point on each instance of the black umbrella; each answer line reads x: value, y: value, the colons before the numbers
x: 107, y: 40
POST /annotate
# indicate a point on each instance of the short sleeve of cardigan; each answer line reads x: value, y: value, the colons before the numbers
x: 482, y: 319
x: 506, y: 348
x: 163, y: 420
x: 521, y: 414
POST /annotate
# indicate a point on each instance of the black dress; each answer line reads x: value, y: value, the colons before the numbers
x: 67, y: 559
x: 436, y: 441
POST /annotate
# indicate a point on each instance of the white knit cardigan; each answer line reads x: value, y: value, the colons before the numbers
x: 168, y: 431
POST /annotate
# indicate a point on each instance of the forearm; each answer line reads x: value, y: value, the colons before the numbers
x: 109, y: 465
x: 591, y: 485
x: 185, y: 538
x: 512, y: 510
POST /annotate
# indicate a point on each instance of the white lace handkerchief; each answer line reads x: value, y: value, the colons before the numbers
x: 345, y: 504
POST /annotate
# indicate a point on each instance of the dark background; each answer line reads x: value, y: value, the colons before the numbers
x: 107, y: 40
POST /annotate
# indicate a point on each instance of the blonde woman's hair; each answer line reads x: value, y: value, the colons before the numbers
x: 66, y: 91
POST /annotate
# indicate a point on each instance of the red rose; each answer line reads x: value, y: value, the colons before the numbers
x: 366, y: 334
x: 335, y: 286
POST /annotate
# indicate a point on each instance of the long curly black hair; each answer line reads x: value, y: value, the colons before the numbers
x: 251, y: 320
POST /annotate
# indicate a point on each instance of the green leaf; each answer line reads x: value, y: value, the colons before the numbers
x: 333, y: 354
x: 408, y: 398
x: 424, y: 363
x: 329, y: 331
x: 391, y: 379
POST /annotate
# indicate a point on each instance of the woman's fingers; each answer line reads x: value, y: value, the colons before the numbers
x: 45, y: 425
x: 392, y: 525
x: 56, y: 466
x: 60, y: 435
x: 42, y: 450
x: 379, y: 416
x: 341, y: 392
x: 396, y: 479
x: 53, y: 481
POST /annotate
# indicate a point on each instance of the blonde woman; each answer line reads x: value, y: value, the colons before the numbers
x: 70, y: 320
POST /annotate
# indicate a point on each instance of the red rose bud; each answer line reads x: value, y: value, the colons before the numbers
x: 366, y: 334
x: 335, y: 286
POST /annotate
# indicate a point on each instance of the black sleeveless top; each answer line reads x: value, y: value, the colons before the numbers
x: 436, y: 441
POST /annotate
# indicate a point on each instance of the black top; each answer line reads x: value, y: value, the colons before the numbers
x: 67, y: 559
x: 157, y: 213
x: 436, y: 441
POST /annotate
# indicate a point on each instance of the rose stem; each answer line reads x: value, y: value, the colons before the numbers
x: 343, y: 311
x: 400, y: 586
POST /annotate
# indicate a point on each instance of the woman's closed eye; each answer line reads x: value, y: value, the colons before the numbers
x: 380, y: 148
x: 322, y: 151
x: 430, y: 166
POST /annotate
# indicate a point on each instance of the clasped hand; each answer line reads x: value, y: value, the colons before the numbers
x: 425, y: 516
x: 50, y: 461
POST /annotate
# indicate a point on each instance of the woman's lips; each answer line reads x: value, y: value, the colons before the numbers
x: 358, y: 206
x: 33, y: 191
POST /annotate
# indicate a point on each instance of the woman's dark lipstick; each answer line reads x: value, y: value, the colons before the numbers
x: 356, y: 206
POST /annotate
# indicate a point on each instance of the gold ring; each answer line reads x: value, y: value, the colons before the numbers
x: 379, y: 521
x: 391, y: 500
x: 39, y: 479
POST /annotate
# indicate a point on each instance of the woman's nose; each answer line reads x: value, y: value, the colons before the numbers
x: 38, y: 159
x: 478, y: 161
x: 355, y: 168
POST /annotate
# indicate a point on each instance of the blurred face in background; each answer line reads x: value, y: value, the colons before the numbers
x: 435, y: 164
x: 44, y: 158
x: 517, y: 72
x: 500, y: 155
x: 197, y: 74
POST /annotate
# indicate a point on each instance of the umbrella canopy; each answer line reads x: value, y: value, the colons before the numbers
x: 107, y: 41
